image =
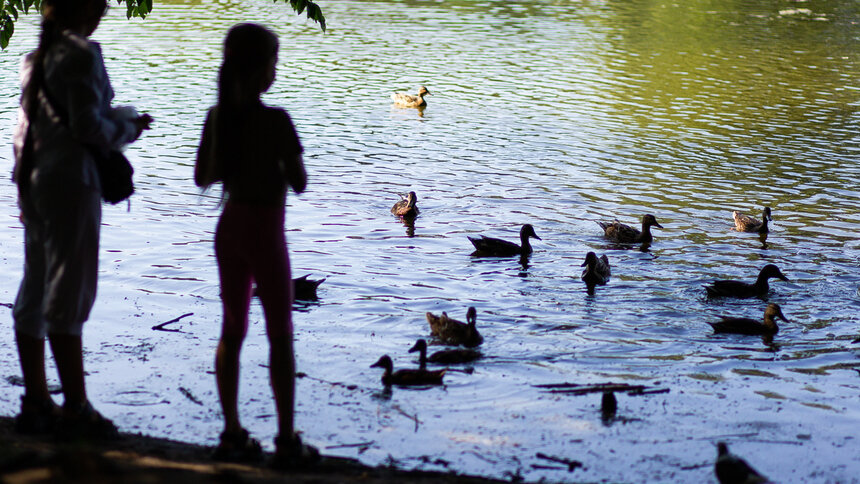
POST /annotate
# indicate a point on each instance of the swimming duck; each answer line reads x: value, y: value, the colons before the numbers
x: 305, y: 289
x: 493, y: 247
x: 731, y: 469
x: 404, y: 100
x: 751, y: 326
x: 445, y: 357
x: 745, y: 290
x: 596, y: 271
x: 626, y: 234
x: 453, y: 332
x: 406, y: 207
x: 748, y: 223
x: 407, y: 377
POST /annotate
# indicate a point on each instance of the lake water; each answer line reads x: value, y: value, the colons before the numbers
x: 552, y: 113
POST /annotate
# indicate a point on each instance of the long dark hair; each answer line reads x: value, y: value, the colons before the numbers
x: 248, y: 50
x: 57, y: 15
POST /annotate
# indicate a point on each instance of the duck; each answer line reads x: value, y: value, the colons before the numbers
x: 445, y: 357
x: 751, y: 326
x: 405, y: 100
x: 748, y: 223
x: 305, y: 289
x: 625, y: 234
x: 407, y: 377
x: 746, y: 290
x: 406, y: 207
x: 453, y: 332
x: 731, y: 469
x: 493, y: 247
x: 596, y: 271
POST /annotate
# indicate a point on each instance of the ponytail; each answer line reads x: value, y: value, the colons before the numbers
x: 248, y: 50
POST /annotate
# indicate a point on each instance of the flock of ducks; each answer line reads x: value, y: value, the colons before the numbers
x: 448, y: 331
x: 465, y: 336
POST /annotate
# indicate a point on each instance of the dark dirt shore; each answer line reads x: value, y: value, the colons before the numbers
x: 137, y: 458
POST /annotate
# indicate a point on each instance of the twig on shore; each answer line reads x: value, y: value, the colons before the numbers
x: 410, y: 417
x: 161, y: 327
x: 347, y: 446
x: 571, y: 464
x: 579, y: 389
x: 190, y: 396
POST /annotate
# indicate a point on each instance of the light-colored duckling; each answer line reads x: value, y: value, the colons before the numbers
x: 625, y: 234
x: 748, y: 223
x: 405, y: 100
x: 751, y: 326
x: 453, y: 332
x: 406, y: 207
x: 493, y: 247
x: 407, y: 377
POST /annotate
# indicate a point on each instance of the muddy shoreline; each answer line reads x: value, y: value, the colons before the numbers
x: 136, y: 458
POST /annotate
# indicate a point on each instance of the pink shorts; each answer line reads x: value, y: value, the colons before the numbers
x: 251, y: 247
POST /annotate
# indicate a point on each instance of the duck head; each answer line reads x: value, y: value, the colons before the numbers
x: 650, y: 221
x: 770, y: 271
x: 419, y: 346
x: 590, y: 260
x: 411, y: 199
x: 472, y: 316
x: 774, y: 311
x: 528, y: 231
x: 422, y: 91
x: 765, y: 214
x: 385, y: 363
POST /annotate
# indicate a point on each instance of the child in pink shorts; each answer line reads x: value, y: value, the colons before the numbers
x: 254, y: 150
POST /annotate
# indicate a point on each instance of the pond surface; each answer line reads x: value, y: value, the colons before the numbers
x: 552, y: 113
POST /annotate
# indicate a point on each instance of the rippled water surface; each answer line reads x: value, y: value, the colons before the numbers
x: 552, y: 113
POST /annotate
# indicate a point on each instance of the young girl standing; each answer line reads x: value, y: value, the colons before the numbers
x: 254, y: 150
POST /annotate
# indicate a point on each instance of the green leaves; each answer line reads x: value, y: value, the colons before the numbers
x: 136, y: 8
x: 9, y: 10
x: 314, y: 11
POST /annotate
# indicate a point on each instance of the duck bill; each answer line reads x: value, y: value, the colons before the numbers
x: 658, y: 225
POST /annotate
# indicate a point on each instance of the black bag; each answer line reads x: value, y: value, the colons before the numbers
x: 114, y: 169
x: 115, y: 174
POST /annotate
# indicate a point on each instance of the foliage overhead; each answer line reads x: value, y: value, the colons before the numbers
x: 11, y: 9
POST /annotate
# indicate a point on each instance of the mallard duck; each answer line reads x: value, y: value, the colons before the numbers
x: 453, y: 332
x: 407, y: 377
x: 406, y: 207
x: 404, y: 100
x: 596, y: 270
x: 492, y: 247
x: 445, y: 357
x: 626, y: 234
x: 731, y: 469
x: 751, y: 326
x: 305, y: 289
x: 745, y: 290
x: 748, y: 223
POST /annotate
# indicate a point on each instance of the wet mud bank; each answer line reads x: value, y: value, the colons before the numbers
x: 135, y: 458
